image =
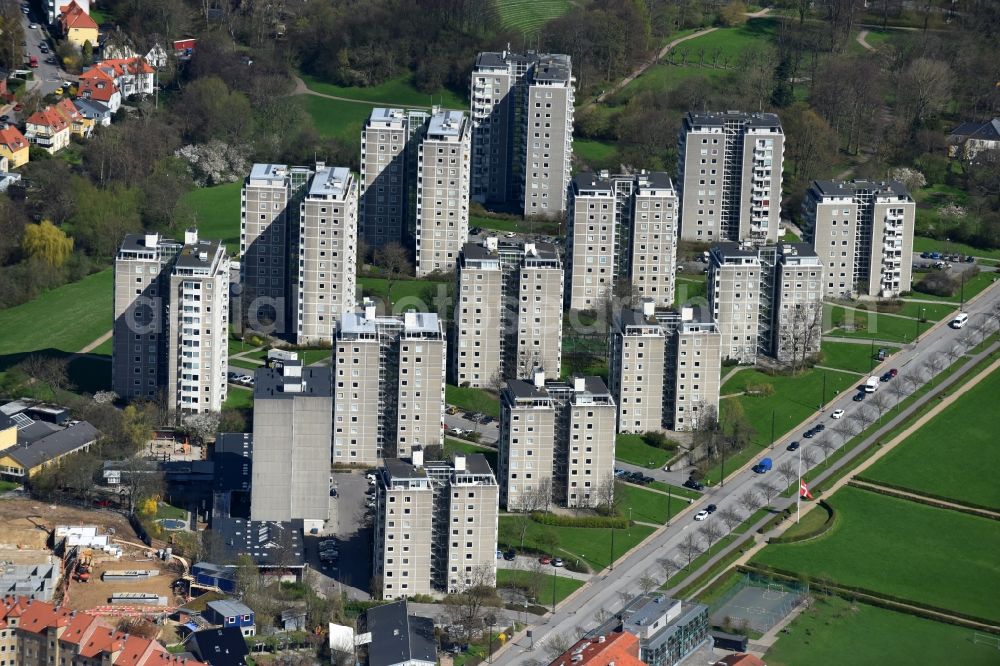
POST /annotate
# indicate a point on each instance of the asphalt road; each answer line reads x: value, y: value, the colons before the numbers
x: 603, y: 593
x: 351, y: 527
x: 47, y: 77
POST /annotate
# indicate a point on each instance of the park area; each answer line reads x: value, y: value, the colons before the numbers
x: 950, y: 456
x: 835, y: 631
x: 590, y: 545
x: 542, y: 586
x: 902, y: 549
x: 633, y: 449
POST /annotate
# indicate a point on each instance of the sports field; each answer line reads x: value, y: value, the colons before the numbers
x: 834, y: 631
x: 952, y: 455
x: 934, y: 556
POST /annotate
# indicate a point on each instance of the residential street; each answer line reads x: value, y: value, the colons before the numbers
x: 603, y: 593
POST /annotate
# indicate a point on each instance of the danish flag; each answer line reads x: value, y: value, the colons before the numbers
x: 804, y: 491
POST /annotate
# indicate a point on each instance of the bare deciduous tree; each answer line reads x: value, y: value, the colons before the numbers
x: 808, y: 457
x: 556, y: 644
x: 648, y: 583
x: 788, y: 471
x: 898, y: 389
x: 710, y: 532
x: 669, y: 566
x: 768, y: 490
x: 880, y: 401
x: 750, y: 500
x: 730, y: 516
x: 826, y: 445
x: 690, y: 549
x: 863, y: 417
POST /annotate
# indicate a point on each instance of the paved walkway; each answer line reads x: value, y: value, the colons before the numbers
x: 864, y: 42
x: 97, y: 343
x: 302, y: 89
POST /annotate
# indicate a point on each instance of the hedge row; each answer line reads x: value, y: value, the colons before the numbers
x: 775, y: 521
x: 812, y: 534
x: 889, y: 601
x: 554, y: 520
x: 963, y: 504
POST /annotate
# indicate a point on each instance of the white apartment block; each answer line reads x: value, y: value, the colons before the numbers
x: 653, y: 239
x: 139, y: 350
x: 665, y: 368
x: 436, y: 525
x: 734, y: 297
x: 729, y: 177
x: 388, y: 376
x: 798, y: 309
x: 198, y: 326
x: 557, y: 443
x: 590, y: 257
x: 386, y: 178
x: 291, y: 444
x: 268, y: 236
x: 442, y: 214
x: 862, y: 231
x: 327, y: 254
x: 508, y: 315
x: 522, y: 119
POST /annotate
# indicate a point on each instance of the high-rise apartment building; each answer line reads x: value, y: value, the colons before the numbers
x: 508, y: 314
x: 664, y: 368
x: 652, y: 238
x: 291, y: 444
x: 198, y: 326
x: 442, y: 213
x: 327, y: 254
x: 436, y: 525
x: 766, y: 300
x: 269, y: 208
x: 557, y: 443
x: 388, y: 385
x: 522, y: 119
x: 139, y: 351
x: 862, y: 231
x: 590, y: 239
x: 387, y: 158
x: 729, y: 176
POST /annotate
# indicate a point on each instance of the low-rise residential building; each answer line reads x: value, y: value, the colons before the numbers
x: 13, y: 146
x: 98, y: 84
x: 47, y: 129
x: 79, y: 124
x: 231, y: 613
x: 77, y: 26
x: 436, y: 525
x: 388, y: 385
x: 862, y: 231
x: 91, y: 109
x: 969, y: 139
x: 668, y: 629
x: 132, y: 75
x: 35, y: 435
x: 222, y: 646
x: 665, y: 368
x: 397, y: 637
x: 54, y: 8
x: 557, y: 443
x: 619, y: 648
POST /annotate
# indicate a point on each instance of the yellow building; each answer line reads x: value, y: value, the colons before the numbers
x: 77, y: 26
x: 13, y: 146
x: 29, y: 444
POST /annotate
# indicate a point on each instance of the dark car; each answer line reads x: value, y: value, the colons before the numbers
x: 509, y: 555
x: 711, y: 508
x: 792, y: 446
x: 693, y: 485
x: 819, y: 427
x: 969, y: 259
x: 886, y: 377
x: 859, y: 396
x: 925, y: 255
x: 809, y: 434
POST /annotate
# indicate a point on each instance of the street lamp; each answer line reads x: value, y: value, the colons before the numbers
x: 490, y: 621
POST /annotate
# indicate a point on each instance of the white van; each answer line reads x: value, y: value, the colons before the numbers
x: 871, y: 385
x: 959, y: 321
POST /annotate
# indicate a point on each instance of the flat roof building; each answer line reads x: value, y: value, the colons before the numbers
x: 668, y: 629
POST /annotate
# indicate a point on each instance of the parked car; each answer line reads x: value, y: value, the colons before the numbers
x: 792, y: 446
x: 558, y: 562
x: 818, y: 428
x: 701, y: 515
x: 510, y: 555
x: 763, y: 466
x: 959, y: 321
x: 711, y: 508
x: 545, y: 559
x: 837, y: 414
x: 893, y: 372
x: 694, y: 485
x: 859, y: 396
x: 499, y: 554
x: 925, y: 255
x: 809, y: 434
x: 969, y: 259
x: 619, y: 472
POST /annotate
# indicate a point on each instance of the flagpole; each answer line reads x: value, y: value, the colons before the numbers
x: 798, y: 495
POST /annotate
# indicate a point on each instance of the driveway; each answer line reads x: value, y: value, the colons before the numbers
x: 350, y: 525
x: 488, y: 432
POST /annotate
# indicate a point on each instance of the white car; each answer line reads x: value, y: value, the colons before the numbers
x: 33, y: 26
x: 701, y: 515
x: 837, y: 414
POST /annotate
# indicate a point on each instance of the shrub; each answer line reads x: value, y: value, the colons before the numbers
x: 659, y: 440
x: 554, y: 520
x: 760, y: 390
x: 937, y: 283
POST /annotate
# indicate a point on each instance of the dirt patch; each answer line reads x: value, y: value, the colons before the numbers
x: 28, y: 522
x: 97, y: 592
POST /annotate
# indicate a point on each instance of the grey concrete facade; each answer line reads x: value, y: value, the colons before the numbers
x: 479, y: 314
x: 590, y: 444
x: 729, y: 176
x: 527, y: 445
x: 327, y: 254
x: 734, y: 297
x: 292, y: 432
x: 653, y: 239
x: 862, y: 231
x: 442, y: 213
x: 590, y: 256
x: 798, y: 309
x: 383, y: 206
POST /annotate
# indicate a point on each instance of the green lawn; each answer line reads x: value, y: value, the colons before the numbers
x: 164, y: 510
x: 563, y: 586
x: 950, y: 455
x: 632, y: 449
x: 592, y: 545
x: 690, y: 289
x: 452, y: 446
x: 926, y: 244
x: 238, y: 398
x: 868, y: 324
x: 936, y: 556
x: 515, y: 225
x: 472, y: 400
x: 527, y: 16
x: 972, y: 287
x: 67, y: 319
x: 246, y: 365
x: 397, y: 92
x: 335, y: 118
x: 595, y: 154
x: 677, y: 491
x: 932, y: 312
x: 6, y: 486
x: 218, y: 211
x: 406, y: 294
x: 105, y: 348
x: 310, y: 356
x: 834, y: 631
x: 851, y: 356
x: 647, y: 506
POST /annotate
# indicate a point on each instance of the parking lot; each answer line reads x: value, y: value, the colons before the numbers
x: 351, y: 528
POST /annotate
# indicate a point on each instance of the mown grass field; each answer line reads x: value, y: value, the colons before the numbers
x: 66, y: 319
x: 850, y: 356
x: 927, y: 244
x: 595, y: 154
x: 848, y: 323
x: 632, y: 449
x: 218, y: 213
x: 590, y: 544
x: 647, y: 506
x: 472, y: 400
x: 951, y: 454
x: 834, y: 631
x: 934, y: 556
x: 238, y: 398
x: 527, y: 16
x: 399, y: 92
x: 336, y: 118
x: 690, y: 289
x: 563, y: 586
x: 407, y: 294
